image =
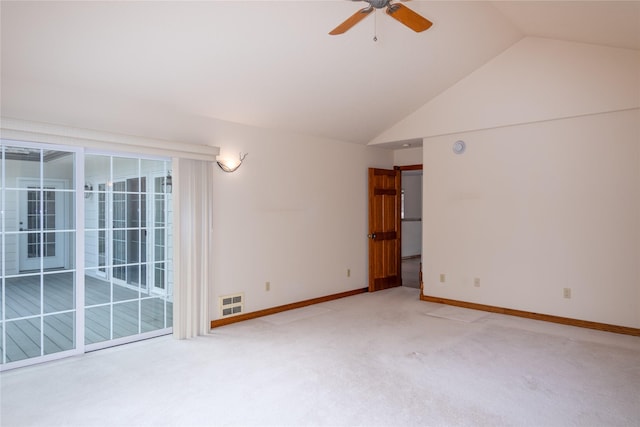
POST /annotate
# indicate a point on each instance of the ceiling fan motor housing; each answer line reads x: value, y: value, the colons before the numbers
x: 378, y: 4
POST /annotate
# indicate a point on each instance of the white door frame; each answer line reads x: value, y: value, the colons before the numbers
x: 151, y: 240
x: 61, y: 257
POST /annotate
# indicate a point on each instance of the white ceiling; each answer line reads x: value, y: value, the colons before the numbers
x: 269, y: 63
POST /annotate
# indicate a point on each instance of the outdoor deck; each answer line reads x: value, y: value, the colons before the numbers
x: 109, y: 314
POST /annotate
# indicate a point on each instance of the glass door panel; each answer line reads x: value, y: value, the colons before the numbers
x: 37, y: 315
x: 23, y: 339
x: 22, y: 296
x: 121, y: 252
x: 41, y: 209
x: 59, y: 292
x: 127, y: 274
x: 58, y: 332
x: 97, y: 324
x: 126, y: 319
x: 153, y: 314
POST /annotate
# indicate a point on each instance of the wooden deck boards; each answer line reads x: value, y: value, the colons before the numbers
x: 130, y: 313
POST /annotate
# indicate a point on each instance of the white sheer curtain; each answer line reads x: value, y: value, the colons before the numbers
x: 192, y: 198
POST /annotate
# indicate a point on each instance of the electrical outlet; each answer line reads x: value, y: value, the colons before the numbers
x: 566, y: 292
x: 476, y: 282
x: 267, y: 286
x: 348, y: 272
x: 443, y: 277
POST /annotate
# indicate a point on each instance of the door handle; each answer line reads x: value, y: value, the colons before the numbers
x: 372, y: 236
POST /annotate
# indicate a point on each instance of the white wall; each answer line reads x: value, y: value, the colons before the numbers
x: 407, y: 156
x: 534, y: 80
x: 532, y: 209
x: 547, y: 195
x: 294, y: 214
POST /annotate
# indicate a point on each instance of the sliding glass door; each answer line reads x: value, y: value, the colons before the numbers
x: 37, y: 275
x: 60, y: 205
x: 126, y: 233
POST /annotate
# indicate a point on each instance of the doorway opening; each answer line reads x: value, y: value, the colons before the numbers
x: 411, y: 230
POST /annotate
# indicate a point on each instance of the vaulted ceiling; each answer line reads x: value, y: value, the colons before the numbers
x: 270, y: 64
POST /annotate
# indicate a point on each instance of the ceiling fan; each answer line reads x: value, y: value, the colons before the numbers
x: 398, y: 11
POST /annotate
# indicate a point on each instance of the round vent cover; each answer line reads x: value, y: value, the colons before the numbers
x: 459, y: 147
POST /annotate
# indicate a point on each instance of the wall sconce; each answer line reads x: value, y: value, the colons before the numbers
x: 168, y: 183
x: 231, y: 165
x: 88, y: 188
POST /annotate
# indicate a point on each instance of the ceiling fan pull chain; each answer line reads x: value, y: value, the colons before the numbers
x: 375, y: 26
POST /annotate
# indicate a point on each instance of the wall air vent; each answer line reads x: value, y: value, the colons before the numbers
x: 231, y: 305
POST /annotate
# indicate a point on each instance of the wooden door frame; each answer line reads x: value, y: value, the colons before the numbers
x: 409, y: 168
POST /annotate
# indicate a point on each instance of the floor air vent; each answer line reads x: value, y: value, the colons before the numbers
x: 231, y: 305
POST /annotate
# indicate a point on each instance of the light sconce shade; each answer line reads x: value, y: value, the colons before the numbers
x: 168, y: 183
x: 231, y: 165
x: 88, y: 188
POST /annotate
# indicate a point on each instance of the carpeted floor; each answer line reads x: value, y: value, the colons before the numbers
x: 381, y: 359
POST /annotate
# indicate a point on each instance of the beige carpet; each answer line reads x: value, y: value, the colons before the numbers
x: 458, y: 313
x: 295, y: 315
x: 367, y: 360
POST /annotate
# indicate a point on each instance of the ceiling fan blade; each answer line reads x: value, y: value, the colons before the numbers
x: 408, y: 17
x: 352, y: 20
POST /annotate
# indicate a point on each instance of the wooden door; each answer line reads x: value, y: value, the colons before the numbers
x: 384, y: 229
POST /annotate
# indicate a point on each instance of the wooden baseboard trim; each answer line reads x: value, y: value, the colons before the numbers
x: 281, y: 308
x: 536, y: 316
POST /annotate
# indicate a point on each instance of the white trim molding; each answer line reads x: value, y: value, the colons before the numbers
x: 23, y: 130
